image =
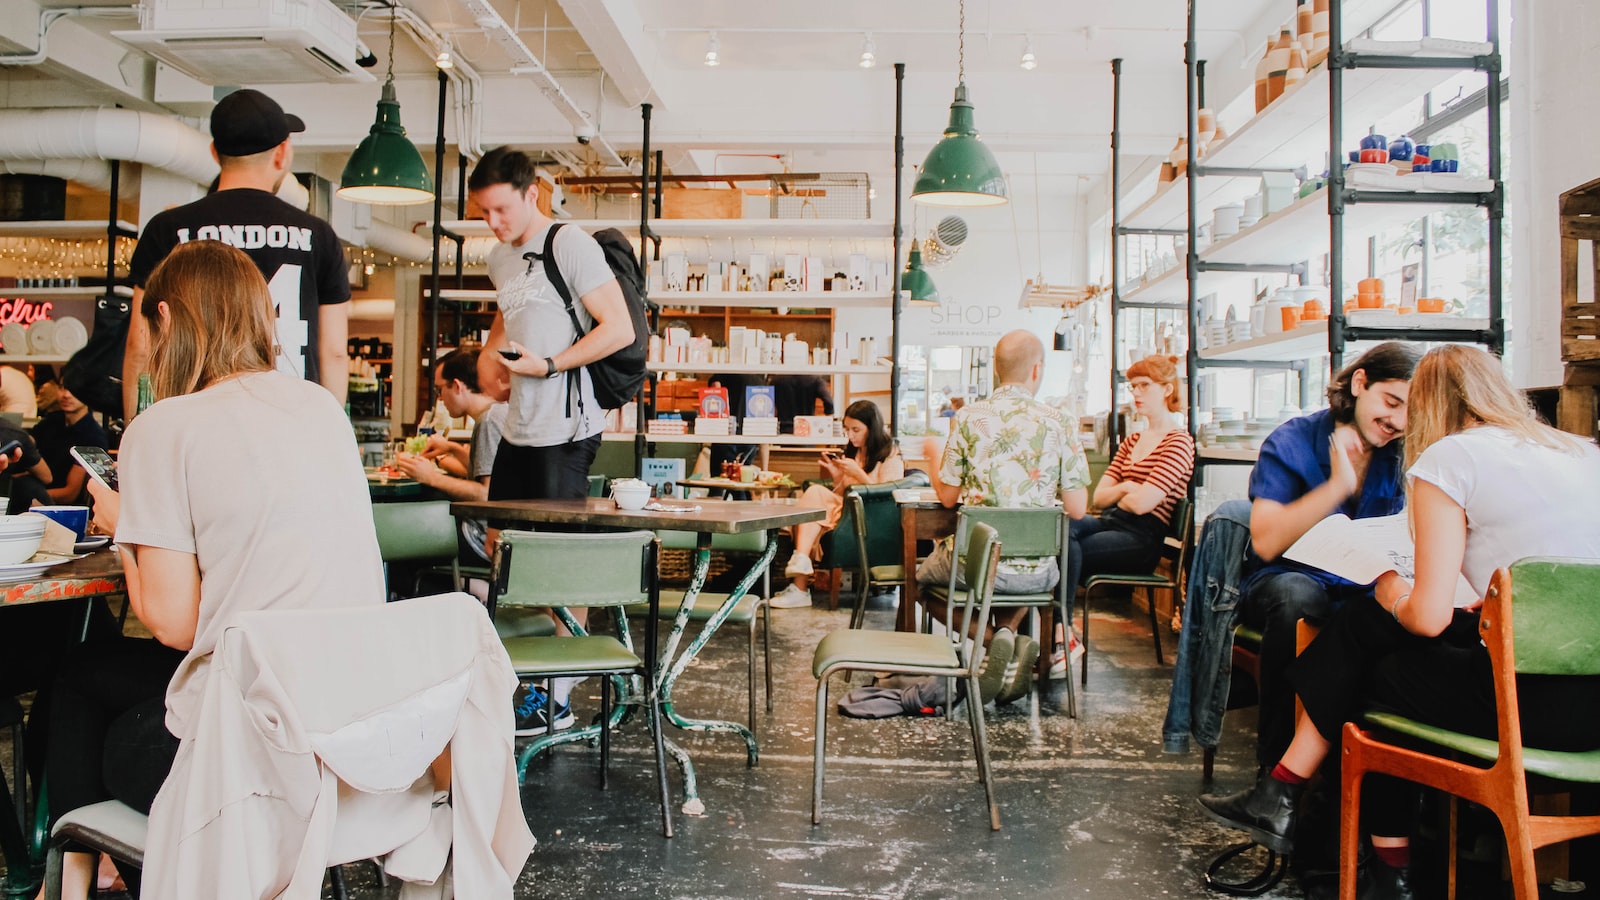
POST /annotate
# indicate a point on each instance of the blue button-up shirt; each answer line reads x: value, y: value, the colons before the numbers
x: 1294, y: 461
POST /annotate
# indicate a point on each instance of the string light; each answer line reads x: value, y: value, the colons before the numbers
x: 869, y: 56
x: 712, y: 59
x: 1029, y: 62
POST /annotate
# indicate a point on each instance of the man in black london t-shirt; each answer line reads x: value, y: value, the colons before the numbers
x: 299, y: 254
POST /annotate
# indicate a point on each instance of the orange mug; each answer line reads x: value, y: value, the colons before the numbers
x: 1370, y: 286
x: 1365, y: 300
x: 1313, y: 310
x: 1291, y: 318
x: 1430, y: 304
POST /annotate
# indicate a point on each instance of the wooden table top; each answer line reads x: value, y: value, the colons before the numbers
x: 728, y: 484
x: 712, y: 516
x: 98, y: 573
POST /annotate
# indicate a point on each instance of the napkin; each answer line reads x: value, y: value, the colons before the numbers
x: 59, y: 540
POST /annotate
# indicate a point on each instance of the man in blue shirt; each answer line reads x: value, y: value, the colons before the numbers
x: 1344, y: 459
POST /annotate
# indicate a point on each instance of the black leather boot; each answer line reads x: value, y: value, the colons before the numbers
x: 1389, y: 883
x: 1266, y: 811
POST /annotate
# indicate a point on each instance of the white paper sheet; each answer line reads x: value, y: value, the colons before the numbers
x: 1361, y: 550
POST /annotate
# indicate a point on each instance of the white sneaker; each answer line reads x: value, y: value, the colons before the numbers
x: 790, y: 597
x: 798, y: 565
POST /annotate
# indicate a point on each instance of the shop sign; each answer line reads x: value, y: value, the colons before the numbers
x: 974, y: 323
x: 25, y: 311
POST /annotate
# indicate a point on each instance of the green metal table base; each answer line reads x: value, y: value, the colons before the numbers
x: 670, y: 668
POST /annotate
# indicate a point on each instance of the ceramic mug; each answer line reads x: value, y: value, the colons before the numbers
x: 1370, y: 286
x: 1430, y: 304
x: 1374, y: 156
x: 1291, y: 318
x: 1365, y: 300
x: 1374, y: 142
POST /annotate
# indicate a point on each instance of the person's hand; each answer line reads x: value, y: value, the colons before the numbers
x: 438, y: 445
x: 9, y: 458
x: 829, y: 464
x: 418, y: 467
x: 1343, y: 449
x: 107, y: 507
x: 527, y: 364
x: 847, y: 467
x: 932, y: 450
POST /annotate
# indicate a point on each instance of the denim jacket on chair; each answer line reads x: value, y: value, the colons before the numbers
x: 1205, y: 647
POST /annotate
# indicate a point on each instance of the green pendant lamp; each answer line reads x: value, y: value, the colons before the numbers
x: 960, y: 170
x: 386, y: 169
x: 917, y: 283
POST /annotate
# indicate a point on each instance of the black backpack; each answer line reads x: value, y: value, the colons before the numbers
x: 617, y: 378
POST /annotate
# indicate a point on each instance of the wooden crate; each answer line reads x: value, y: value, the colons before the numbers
x: 1579, y: 407
x: 1580, y: 315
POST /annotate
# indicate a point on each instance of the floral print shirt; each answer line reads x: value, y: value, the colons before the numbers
x: 1012, y: 450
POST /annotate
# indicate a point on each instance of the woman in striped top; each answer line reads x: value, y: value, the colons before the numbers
x: 1148, y: 475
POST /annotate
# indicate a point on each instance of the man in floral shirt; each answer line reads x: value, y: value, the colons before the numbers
x: 1014, y: 451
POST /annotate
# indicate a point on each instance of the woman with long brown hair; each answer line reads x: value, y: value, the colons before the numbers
x: 241, y: 489
x: 1487, y: 484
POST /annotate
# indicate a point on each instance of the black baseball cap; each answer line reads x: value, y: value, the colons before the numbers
x: 248, y: 121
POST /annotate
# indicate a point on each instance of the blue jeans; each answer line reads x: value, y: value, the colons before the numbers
x: 1272, y: 604
x: 1099, y: 545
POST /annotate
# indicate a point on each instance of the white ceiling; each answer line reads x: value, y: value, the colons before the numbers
x: 788, y: 86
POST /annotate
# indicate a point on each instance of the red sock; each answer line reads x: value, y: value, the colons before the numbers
x: 1394, y: 857
x: 1280, y: 772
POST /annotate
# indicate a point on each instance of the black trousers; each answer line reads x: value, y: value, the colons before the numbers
x: 558, y: 472
x: 108, y: 735
x: 1272, y: 605
x: 1364, y: 659
x: 1115, y: 542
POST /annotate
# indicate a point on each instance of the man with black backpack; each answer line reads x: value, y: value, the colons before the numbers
x: 538, y: 354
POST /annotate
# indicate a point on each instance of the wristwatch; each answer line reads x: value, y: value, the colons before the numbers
x: 550, y: 370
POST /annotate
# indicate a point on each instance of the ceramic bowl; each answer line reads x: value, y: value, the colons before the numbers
x: 20, y: 537
x: 630, y: 493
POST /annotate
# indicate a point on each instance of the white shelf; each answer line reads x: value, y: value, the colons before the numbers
x: 73, y: 229
x: 817, y: 299
x: 1228, y: 454
x: 1311, y: 339
x: 787, y: 440
x: 1169, y: 208
x: 65, y: 293
x: 1293, y: 130
x: 53, y: 359
x: 1300, y: 231
x: 823, y: 299
x: 713, y: 228
x: 765, y: 369
x: 1170, y: 288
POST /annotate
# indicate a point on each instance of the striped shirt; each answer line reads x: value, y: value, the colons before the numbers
x: 1168, y: 466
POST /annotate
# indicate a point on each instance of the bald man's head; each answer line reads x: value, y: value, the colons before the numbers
x: 1019, y: 360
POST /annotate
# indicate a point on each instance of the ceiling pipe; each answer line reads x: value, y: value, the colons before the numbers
x: 47, y: 18
x: 524, y: 62
x: 122, y: 134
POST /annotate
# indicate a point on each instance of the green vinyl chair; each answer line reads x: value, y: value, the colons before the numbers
x: 1180, y: 532
x: 552, y: 571
x: 1026, y: 533
x: 1538, y: 619
x: 869, y: 541
x: 947, y: 655
x: 423, y: 532
x: 745, y: 612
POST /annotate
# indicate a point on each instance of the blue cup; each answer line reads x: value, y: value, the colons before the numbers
x: 73, y: 517
x: 1355, y: 156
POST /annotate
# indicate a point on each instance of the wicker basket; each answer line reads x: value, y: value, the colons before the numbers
x: 677, y: 565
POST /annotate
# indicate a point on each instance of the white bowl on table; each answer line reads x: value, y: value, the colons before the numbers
x: 20, y: 537
x: 630, y: 493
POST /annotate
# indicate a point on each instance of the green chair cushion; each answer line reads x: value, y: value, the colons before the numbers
x: 556, y: 655
x: 1039, y: 599
x: 522, y: 621
x: 1581, y: 766
x: 1136, y: 580
x: 887, y: 573
x: 884, y: 650
x: 704, y: 607
x: 1247, y: 638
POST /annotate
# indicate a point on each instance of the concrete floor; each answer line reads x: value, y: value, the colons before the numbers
x: 1090, y: 807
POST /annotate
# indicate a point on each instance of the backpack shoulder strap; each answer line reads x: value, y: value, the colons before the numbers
x: 553, y: 273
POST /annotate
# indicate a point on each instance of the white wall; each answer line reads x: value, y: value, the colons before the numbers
x: 1554, y: 130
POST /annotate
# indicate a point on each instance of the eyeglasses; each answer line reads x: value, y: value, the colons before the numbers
x: 1140, y: 386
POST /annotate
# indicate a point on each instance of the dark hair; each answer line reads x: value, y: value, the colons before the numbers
x: 879, y: 444
x: 503, y: 165
x: 1389, y: 361
x: 462, y: 366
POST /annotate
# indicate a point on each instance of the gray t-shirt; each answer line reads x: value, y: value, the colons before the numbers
x: 542, y: 411
x: 480, y: 464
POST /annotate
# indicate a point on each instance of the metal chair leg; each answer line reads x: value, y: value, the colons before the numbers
x: 661, y: 754
x: 605, y: 730
x: 981, y: 740
x: 1155, y: 630
x: 766, y: 648
x: 1084, y: 674
x: 750, y: 671
x: 820, y: 748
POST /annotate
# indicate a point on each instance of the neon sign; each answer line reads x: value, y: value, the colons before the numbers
x: 25, y: 311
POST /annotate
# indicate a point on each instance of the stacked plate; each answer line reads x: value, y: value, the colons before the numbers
x: 20, y: 537
x: 71, y: 336
x: 14, y: 338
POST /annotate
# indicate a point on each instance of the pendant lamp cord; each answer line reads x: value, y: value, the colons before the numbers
x: 961, y: 44
x: 392, y: 17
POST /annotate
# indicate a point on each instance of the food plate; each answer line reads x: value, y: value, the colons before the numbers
x: 14, y: 338
x: 91, y: 543
x: 1372, y: 167
x: 42, y: 336
x: 24, y: 570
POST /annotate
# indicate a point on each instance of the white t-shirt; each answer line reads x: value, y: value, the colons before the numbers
x: 259, y: 477
x: 542, y: 413
x: 16, y: 393
x: 1521, y: 499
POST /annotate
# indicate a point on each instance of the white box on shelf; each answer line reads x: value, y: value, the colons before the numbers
x: 677, y: 271
x: 815, y: 277
x: 760, y: 272
x: 813, y: 426
x: 794, y: 272
x: 881, y: 282
x: 796, y: 352
x: 859, y: 272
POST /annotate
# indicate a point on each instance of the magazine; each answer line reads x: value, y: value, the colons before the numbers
x: 1362, y: 550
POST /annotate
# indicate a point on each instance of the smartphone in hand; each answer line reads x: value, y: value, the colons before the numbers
x: 98, y: 463
x: 509, y: 353
x: 9, y: 446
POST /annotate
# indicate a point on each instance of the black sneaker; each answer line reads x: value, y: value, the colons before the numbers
x: 533, y: 713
